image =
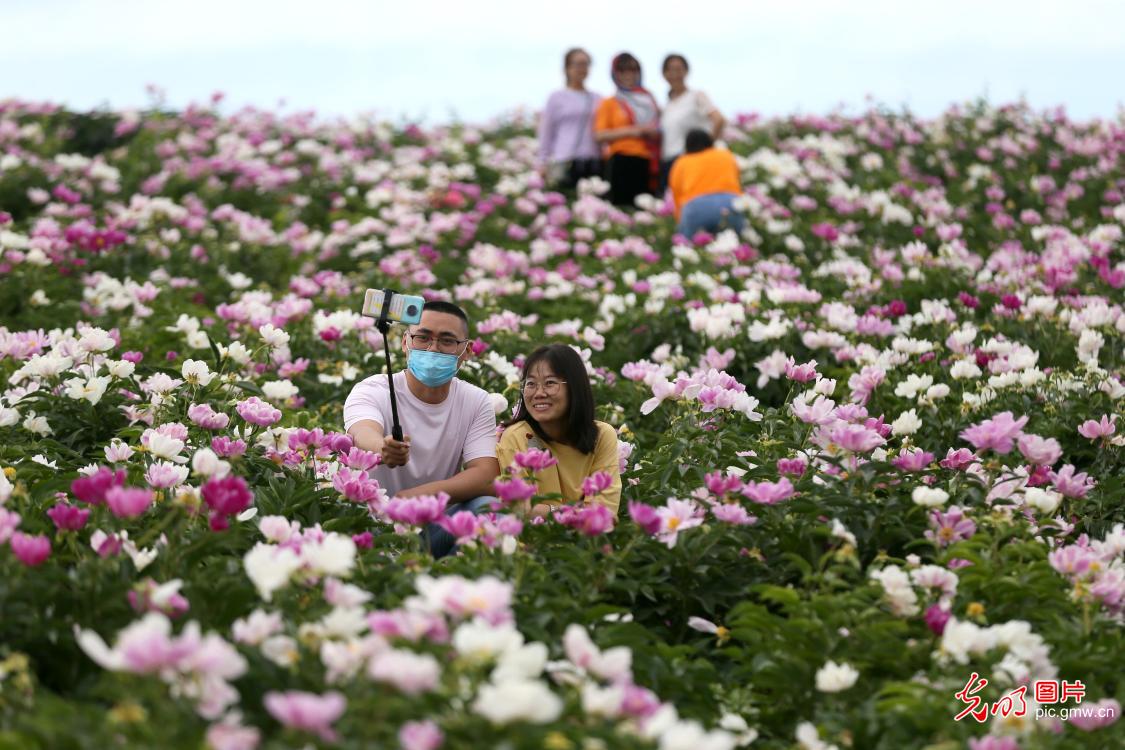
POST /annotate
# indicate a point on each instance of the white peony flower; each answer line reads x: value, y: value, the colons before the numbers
x: 833, y: 677
x: 907, y: 423
x: 518, y: 700
x: 929, y: 497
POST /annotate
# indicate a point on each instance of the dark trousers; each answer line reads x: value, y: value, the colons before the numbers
x: 665, y: 170
x: 628, y: 177
x: 579, y: 169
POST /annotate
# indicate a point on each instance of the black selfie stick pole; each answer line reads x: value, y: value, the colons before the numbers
x: 384, y: 327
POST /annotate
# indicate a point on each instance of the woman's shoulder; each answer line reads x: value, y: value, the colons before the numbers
x: 606, y: 431
x: 519, y: 432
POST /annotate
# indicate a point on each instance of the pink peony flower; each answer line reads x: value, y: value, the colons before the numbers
x: 407, y: 671
x: 68, y: 517
x: 514, y: 490
x: 855, y: 438
x: 206, y: 417
x: 360, y: 460
x: 591, y: 520
x: 462, y: 524
x: 32, y: 551
x: 596, y: 483
x: 128, y: 502
x: 997, y: 433
x: 720, y: 484
x: 534, y: 459
x: 676, y: 516
x: 1039, y: 450
x: 733, y: 513
x: 9, y: 522
x: 224, y: 447
x: 420, y: 735
x: 258, y: 412
x: 645, y: 516
x: 792, y: 466
x: 1092, y: 430
x: 800, y: 373
x: 913, y: 460
x: 1070, y: 484
x: 769, y: 493
x: 950, y: 526
x: 417, y: 511
x: 308, y: 712
x: 1097, y: 715
x: 958, y: 459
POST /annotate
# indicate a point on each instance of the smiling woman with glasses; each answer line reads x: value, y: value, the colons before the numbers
x: 555, y: 413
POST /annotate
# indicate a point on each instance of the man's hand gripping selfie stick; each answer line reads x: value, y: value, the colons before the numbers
x: 384, y: 326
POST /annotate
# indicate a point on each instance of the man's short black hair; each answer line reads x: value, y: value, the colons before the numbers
x: 441, y: 306
x: 697, y: 140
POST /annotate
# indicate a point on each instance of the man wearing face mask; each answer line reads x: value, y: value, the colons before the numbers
x: 449, y: 426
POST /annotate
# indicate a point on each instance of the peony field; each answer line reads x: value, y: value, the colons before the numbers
x: 872, y: 449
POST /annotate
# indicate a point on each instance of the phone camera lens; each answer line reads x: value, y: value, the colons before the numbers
x: 412, y: 310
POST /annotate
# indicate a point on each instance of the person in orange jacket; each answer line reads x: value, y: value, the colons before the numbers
x: 705, y: 181
x: 628, y: 127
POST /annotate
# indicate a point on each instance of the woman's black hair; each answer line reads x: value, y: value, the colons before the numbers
x: 625, y: 60
x: 675, y: 56
x: 697, y: 140
x: 581, y: 432
x: 571, y: 53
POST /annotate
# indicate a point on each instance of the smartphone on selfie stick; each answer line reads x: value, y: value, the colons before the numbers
x: 388, y: 306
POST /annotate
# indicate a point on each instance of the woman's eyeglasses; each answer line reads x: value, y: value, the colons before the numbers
x: 445, y: 344
x: 550, y: 386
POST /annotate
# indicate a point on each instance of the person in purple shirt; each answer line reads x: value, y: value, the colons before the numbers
x: 567, y: 150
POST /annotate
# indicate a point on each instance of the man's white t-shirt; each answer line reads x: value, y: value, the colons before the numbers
x: 442, y: 436
x: 688, y: 111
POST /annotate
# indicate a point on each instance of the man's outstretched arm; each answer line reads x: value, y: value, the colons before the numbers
x: 475, y: 480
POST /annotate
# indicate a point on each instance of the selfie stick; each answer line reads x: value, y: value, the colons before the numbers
x: 384, y: 325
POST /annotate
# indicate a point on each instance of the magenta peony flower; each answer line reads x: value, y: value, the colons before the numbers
x: 958, y: 459
x: 936, y: 617
x: 68, y: 517
x: 32, y: 551
x: 225, y: 497
x: 950, y: 526
x: 92, y: 488
x: 128, y: 502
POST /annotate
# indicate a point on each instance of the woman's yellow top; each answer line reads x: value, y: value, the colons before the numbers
x: 565, y: 477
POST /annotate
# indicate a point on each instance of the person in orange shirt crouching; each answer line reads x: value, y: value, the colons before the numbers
x: 704, y: 183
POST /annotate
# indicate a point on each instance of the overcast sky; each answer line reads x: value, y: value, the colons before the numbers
x: 474, y: 60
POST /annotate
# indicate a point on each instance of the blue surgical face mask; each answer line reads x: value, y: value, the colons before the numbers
x: 433, y: 368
